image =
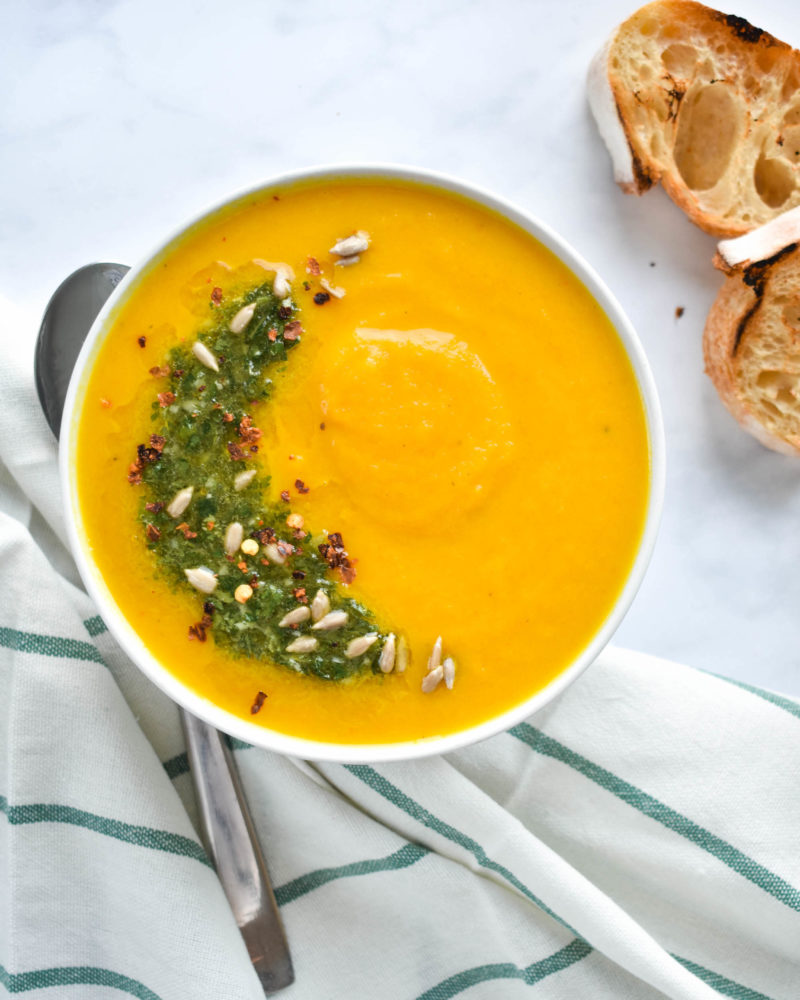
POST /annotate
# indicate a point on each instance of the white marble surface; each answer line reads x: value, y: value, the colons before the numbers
x: 120, y: 119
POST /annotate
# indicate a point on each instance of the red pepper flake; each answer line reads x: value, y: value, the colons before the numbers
x: 273, y: 334
x: 157, y: 442
x: 106, y: 404
x: 160, y: 371
x: 186, y: 530
x: 254, y: 448
x: 209, y: 525
x: 285, y: 496
x: 152, y: 532
x: 198, y: 630
x: 265, y: 562
x: 242, y: 565
x: 154, y: 508
x: 300, y: 486
x: 166, y: 399
x: 255, y: 708
x: 321, y: 298
x: 312, y: 266
x: 236, y: 453
x: 300, y: 595
x: 298, y: 574
x: 292, y: 330
x: 247, y: 432
x: 216, y: 295
x: 178, y: 373
x: 227, y: 417
x: 284, y: 312
x: 141, y: 341
x: 299, y: 534
x: 254, y: 582
x: 134, y: 474
x: 335, y: 555
x: 322, y: 426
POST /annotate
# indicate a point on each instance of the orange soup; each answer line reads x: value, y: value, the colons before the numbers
x: 460, y: 435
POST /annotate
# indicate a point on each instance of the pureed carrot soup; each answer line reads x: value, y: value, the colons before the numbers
x: 299, y: 467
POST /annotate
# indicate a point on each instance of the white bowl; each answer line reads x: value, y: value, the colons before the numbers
x: 361, y: 753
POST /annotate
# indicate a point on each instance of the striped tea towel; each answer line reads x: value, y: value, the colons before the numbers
x: 639, y: 838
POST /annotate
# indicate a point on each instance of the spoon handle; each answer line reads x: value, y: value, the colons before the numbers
x: 230, y: 839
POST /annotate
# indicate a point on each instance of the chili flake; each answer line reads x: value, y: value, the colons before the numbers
x: 141, y: 341
x: 166, y: 399
x: 236, y: 453
x: 255, y: 708
x: 300, y: 486
x: 312, y: 266
x: 152, y: 532
x: 292, y: 330
x: 285, y: 496
x: 160, y: 371
x: 216, y: 295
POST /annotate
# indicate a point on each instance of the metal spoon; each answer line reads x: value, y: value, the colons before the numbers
x: 227, y: 829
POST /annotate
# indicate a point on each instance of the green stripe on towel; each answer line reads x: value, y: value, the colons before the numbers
x: 729, y: 855
x: 49, y: 645
x: 74, y: 975
x: 129, y: 833
x: 792, y: 707
x: 531, y: 974
x: 95, y: 626
x: 404, y: 858
x: 393, y: 794
x: 727, y: 987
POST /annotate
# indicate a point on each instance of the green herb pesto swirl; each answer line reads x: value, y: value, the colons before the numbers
x: 204, y: 438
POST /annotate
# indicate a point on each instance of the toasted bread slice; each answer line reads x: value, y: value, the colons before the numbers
x: 751, y: 341
x: 708, y: 105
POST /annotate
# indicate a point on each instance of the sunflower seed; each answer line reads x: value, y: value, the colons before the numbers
x: 243, y: 479
x: 295, y: 616
x: 204, y: 356
x: 233, y: 538
x: 242, y: 318
x: 359, y: 646
x: 436, y: 655
x: 320, y: 606
x: 334, y: 619
x: 180, y: 501
x: 334, y: 290
x: 347, y: 261
x: 281, y: 286
x: 202, y: 579
x: 449, y: 669
x: 302, y: 644
x: 274, y: 554
x: 351, y: 245
x: 431, y: 681
x: 387, y: 657
x: 401, y: 660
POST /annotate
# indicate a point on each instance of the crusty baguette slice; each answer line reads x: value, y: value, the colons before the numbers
x: 751, y: 341
x: 708, y: 105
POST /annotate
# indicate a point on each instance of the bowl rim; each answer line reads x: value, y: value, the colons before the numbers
x: 320, y: 750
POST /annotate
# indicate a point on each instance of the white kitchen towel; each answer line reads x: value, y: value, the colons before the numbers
x: 638, y: 838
